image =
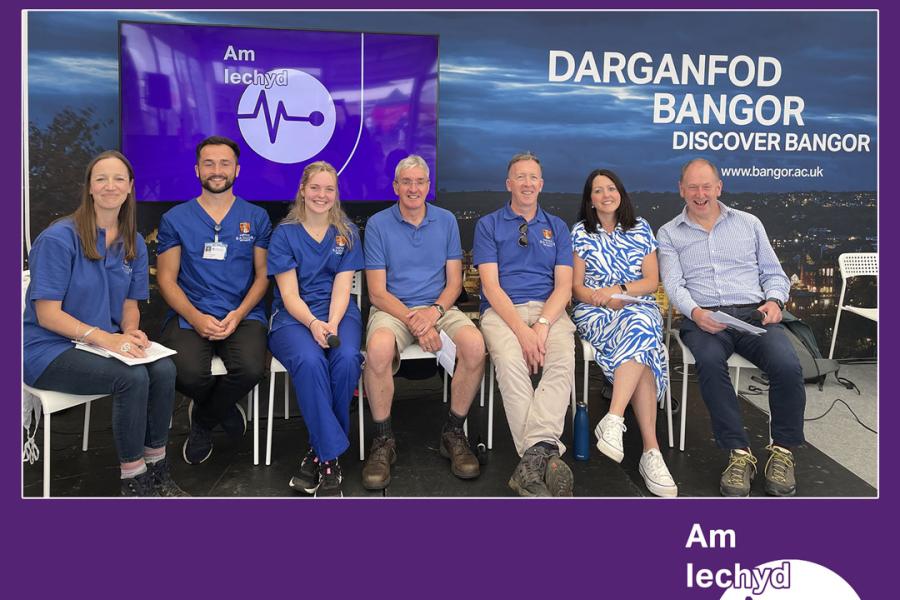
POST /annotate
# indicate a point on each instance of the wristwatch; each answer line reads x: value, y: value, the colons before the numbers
x: 776, y: 301
x: 439, y: 308
x: 543, y: 321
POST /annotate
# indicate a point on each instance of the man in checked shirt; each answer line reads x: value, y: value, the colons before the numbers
x: 715, y: 258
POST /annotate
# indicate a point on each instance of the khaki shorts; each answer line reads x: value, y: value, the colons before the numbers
x: 452, y: 321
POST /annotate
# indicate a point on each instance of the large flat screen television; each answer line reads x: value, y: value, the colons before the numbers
x: 361, y: 101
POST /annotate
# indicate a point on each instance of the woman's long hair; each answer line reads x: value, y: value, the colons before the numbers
x: 624, y: 214
x: 336, y: 215
x: 85, y: 219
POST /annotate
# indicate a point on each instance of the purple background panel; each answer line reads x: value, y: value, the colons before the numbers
x: 327, y: 102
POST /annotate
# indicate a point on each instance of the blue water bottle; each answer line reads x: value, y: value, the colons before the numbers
x: 582, y: 434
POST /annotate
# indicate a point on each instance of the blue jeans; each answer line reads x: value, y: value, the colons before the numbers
x: 142, y: 395
x: 323, y: 380
x: 772, y: 352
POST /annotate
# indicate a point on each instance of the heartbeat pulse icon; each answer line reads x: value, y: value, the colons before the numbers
x: 315, y: 118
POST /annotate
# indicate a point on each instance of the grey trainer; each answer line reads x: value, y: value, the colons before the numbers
x: 558, y: 476
x: 528, y: 478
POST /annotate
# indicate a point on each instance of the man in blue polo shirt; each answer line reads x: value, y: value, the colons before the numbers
x: 211, y: 270
x: 524, y: 257
x: 414, y: 276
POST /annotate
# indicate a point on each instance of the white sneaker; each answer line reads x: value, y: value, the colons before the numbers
x: 656, y: 475
x: 609, y: 436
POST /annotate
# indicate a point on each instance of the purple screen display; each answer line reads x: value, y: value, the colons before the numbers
x: 361, y: 101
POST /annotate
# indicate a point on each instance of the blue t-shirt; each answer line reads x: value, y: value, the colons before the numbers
x: 526, y: 273
x: 414, y: 258
x: 315, y: 263
x: 215, y: 287
x: 92, y: 291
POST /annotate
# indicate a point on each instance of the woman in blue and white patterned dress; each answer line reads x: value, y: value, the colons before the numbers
x: 615, y: 253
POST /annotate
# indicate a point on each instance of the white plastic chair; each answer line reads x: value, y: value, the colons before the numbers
x: 53, y: 402
x: 735, y: 361
x: 589, y: 356
x: 860, y: 264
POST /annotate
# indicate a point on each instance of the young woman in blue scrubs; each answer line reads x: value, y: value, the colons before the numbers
x: 313, y: 255
x: 88, y: 271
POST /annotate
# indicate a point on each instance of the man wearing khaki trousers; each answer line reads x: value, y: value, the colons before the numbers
x: 524, y: 258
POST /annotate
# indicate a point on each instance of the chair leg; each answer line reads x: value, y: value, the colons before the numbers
x: 46, y: 455
x: 574, y: 403
x: 587, y: 366
x: 271, y: 418
x: 837, y: 322
x: 737, y: 379
x: 669, y: 409
x: 491, y: 408
x: 250, y: 405
x: 481, y: 400
x: 287, y: 393
x: 684, y: 388
x: 87, y: 427
x: 255, y: 411
x: 446, y: 377
x: 362, y: 432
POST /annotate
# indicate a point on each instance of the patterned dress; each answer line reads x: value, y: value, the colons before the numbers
x: 635, y: 331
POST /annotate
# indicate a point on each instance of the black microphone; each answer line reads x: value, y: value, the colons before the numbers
x: 332, y: 340
x: 757, y: 316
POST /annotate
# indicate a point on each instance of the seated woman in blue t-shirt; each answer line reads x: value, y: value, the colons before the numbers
x: 312, y: 255
x: 88, y: 271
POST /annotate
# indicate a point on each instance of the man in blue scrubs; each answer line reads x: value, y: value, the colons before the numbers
x: 524, y: 257
x: 714, y: 258
x: 211, y: 270
x: 414, y: 276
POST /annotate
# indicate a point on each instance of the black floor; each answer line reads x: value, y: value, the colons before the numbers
x: 420, y: 471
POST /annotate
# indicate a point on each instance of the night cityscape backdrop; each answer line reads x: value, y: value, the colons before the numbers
x: 495, y: 100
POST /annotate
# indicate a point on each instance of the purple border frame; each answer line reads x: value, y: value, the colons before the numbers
x: 426, y: 548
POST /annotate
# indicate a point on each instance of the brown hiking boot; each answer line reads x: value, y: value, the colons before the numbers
x: 463, y: 462
x: 780, y: 472
x: 376, y: 473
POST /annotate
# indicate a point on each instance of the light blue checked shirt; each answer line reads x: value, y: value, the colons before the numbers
x: 734, y: 263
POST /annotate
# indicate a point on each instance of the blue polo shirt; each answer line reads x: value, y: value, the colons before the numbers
x: 415, y: 258
x: 316, y: 264
x: 92, y: 291
x: 215, y: 287
x: 526, y: 273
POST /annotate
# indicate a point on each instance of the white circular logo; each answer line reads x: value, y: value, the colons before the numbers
x: 289, y: 119
x: 792, y: 578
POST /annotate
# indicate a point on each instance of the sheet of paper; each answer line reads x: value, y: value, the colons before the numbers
x: 628, y: 299
x: 446, y: 356
x: 734, y: 323
x: 154, y: 352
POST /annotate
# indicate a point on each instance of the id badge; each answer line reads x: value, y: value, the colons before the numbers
x: 215, y: 250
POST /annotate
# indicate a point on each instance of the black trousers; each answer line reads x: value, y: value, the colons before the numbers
x: 244, y: 355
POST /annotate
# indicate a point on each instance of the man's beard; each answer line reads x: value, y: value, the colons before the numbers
x: 228, y: 183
